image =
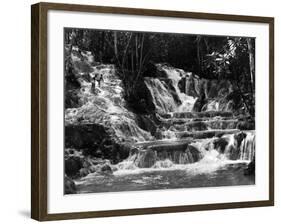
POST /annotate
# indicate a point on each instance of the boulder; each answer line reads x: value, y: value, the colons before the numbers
x: 148, y: 122
x: 84, y: 172
x: 72, y: 166
x: 220, y: 144
x: 239, y: 138
x: 95, y: 140
x: 246, y: 125
x: 106, y: 169
x: 250, y: 170
x: 140, y: 100
x: 199, y: 103
x: 84, y: 135
x: 69, y: 186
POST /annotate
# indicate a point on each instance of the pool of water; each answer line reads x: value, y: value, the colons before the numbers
x: 177, y: 176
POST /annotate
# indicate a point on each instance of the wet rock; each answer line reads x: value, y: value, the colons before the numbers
x: 165, y: 116
x: 182, y: 85
x: 106, y: 169
x: 199, y: 103
x: 93, y: 151
x: 95, y: 141
x: 84, y: 172
x: 246, y: 125
x: 69, y: 186
x: 148, y: 122
x: 140, y: 100
x: 172, y: 90
x: 196, y: 154
x: 239, y: 138
x: 203, y: 114
x: 196, y: 126
x: 85, y: 135
x: 72, y: 166
x: 235, y: 98
x: 250, y: 170
x: 205, y: 134
x: 220, y: 144
x: 193, y: 86
x: 233, y: 152
x: 71, y: 99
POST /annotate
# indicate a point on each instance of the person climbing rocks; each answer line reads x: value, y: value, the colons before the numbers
x: 99, y: 79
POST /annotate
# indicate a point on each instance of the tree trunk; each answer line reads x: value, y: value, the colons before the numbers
x: 251, y: 63
x: 198, y: 54
x: 115, y: 44
x: 102, y: 46
x: 207, y: 45
x: 137, y: 52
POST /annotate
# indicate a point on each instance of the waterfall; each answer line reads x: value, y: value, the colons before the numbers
x: 162, y: 98
x: 175, y: 76
x: 161, y: 93
x: 212, y: 106
x: 187, y: 137
x: 247, y: 147
x: 175, y: 145
x: 166, y: 158
x: 168, y: 134
x: 105, y: 105
x: 203, y: 151
x: 245, y: 151
x: 215, y: 137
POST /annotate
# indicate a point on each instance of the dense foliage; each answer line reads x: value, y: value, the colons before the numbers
x: 136, y: 53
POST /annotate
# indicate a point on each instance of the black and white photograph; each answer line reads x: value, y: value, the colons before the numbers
x: 156, y: 111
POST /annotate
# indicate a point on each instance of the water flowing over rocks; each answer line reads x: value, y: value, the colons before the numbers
x: 106, y: 107
x: 183, y: 134
x: 181, y: 91
x: 194, y: 122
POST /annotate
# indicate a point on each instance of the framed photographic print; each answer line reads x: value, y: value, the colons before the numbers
x: 138, y: 111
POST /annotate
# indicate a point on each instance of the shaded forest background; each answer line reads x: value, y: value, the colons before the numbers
x: 136, y: 53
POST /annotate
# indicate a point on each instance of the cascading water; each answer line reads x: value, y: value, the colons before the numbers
x: 202, y: 128
x: 247, y: 147
x: 161, y: 92
x: 193, y: 149
x: 200, y: 151
x: 106, y: 106
x: 187, y: 101
x: 162, y: 98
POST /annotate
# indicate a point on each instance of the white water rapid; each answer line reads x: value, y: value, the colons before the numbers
x: 191, y: 149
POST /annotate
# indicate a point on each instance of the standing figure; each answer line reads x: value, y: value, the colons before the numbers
x: 93, y: 81
x: 100, y: 78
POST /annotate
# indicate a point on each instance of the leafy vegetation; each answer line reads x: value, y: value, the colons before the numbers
x: 136, y: 53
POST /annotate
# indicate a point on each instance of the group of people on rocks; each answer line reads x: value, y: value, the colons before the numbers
x: 96, y: 77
